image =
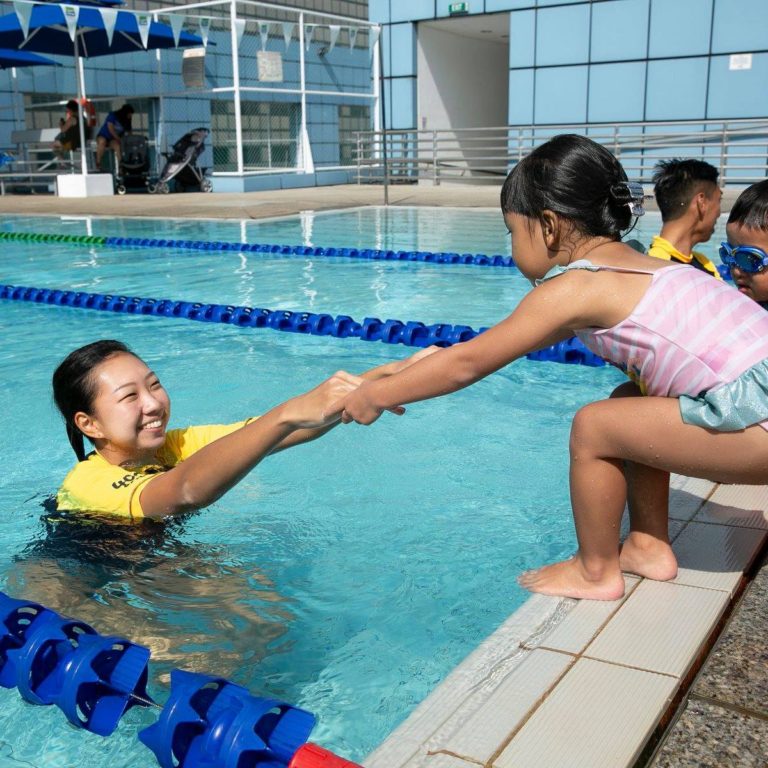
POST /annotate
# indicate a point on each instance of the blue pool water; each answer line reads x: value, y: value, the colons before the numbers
x: 347, y: 576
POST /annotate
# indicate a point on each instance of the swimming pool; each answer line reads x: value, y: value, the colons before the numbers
x: 347, y: 576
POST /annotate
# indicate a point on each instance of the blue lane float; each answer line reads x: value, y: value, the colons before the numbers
x: 473, y: 259
x: 411, y: 333
x: 207, y: 722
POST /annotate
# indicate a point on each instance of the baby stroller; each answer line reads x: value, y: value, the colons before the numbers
x: 182, y: 167
x: 133, y: 172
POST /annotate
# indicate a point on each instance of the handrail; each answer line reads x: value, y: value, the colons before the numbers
x: 738, y: 148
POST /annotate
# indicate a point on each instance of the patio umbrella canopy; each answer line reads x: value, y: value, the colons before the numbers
x: 49, y: 32
x: 11, y: 58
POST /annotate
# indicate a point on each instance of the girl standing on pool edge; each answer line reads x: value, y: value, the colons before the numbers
x: 694, y: 345
x: 109, y: 395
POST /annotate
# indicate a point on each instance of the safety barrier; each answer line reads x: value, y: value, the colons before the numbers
x: 410, y: 333
x: 207, y: 722
x: 475, y: 259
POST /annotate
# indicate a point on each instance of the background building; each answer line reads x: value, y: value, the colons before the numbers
x: 564, y: 61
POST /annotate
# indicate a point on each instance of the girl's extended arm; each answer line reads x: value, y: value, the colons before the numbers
x: 374, y: 374
x: 545, y: 316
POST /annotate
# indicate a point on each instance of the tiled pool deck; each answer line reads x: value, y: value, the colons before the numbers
x: 635, y: 682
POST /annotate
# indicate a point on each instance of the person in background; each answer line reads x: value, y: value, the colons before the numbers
x: 68, y: 138
x: 117, y: 124
x: 746, y: 251
x: 688, y: 197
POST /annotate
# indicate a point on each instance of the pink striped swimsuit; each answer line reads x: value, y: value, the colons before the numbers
x: 693, y: 338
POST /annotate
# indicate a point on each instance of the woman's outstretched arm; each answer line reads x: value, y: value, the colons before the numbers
x: 210, y: 472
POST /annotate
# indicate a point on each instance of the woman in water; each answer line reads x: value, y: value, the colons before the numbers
x: 109, y: 395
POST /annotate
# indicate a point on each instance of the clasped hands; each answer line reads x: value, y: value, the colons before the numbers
x: 344, y: 397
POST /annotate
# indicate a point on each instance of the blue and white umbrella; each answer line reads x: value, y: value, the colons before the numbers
x: 79, y: 30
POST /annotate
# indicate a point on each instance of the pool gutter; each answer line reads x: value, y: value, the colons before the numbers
x: 586, y: 683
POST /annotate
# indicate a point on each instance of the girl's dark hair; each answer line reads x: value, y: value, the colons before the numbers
x: 751, y: 208
x: 575, y: 178
x: 74, y: 388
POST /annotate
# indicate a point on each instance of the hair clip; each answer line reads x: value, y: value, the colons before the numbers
x: 637, y: 197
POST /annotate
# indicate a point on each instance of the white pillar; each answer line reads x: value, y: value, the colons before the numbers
x: 236, y: 84
x: 304, y: 138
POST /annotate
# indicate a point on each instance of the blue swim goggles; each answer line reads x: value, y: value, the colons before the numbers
x: 747, y: 258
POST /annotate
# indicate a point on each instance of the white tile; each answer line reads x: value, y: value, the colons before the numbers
x: 599, y: 716
x: 491, y: 661
x: 715, y: 556
x: 584, y: 622
x: 660, y: 627
x: 478, y: 734
x: 686, y: 495
x: 742, y: 505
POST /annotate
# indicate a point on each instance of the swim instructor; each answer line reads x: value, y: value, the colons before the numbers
x: 109, y: 396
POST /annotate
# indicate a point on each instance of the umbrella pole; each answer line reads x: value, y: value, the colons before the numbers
x: 81, y: 109
x: 15, y: 100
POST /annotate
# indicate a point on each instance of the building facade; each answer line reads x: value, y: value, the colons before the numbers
x: 546, y: 62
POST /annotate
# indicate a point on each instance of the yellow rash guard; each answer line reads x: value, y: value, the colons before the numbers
x: 663, y: 249
x: 95, y: 485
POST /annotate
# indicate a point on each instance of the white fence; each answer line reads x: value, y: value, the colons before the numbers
x: 738, y: 148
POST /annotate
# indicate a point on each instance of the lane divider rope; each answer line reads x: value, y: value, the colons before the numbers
x: 475, y: 259
x: 207, y: 721
x: 411, y: 333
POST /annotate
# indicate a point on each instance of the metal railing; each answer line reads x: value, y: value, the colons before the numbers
x: 738, y: 148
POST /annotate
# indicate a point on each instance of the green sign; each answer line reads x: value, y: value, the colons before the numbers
x: 458, y: 9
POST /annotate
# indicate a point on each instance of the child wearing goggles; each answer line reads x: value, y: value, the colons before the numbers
x: 746, y: 252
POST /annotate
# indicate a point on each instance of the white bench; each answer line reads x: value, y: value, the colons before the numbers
x: 34, y: 165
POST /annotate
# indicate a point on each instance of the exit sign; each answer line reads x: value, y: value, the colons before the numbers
x: 458, y: 9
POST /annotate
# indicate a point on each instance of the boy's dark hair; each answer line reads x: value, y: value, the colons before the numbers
x: 575, y: 178
x: 675, y: 182
x: 73, y: 385
x: 751, y: 208
x: 72, y: 106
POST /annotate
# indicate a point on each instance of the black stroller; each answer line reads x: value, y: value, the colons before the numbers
x: 182, y: 168
x: 133, y: 171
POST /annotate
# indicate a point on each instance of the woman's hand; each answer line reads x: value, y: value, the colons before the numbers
x: 313, y: 409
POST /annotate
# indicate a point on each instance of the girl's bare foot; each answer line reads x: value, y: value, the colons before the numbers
x: 648, y: 556
x: 570, y: 579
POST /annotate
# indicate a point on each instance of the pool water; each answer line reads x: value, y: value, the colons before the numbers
x: 347, y: 576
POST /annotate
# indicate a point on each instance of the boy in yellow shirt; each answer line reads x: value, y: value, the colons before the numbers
x: 688, y: 197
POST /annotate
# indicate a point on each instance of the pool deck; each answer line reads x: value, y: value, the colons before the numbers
x: 260, y: 205
x: 673, y: 674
